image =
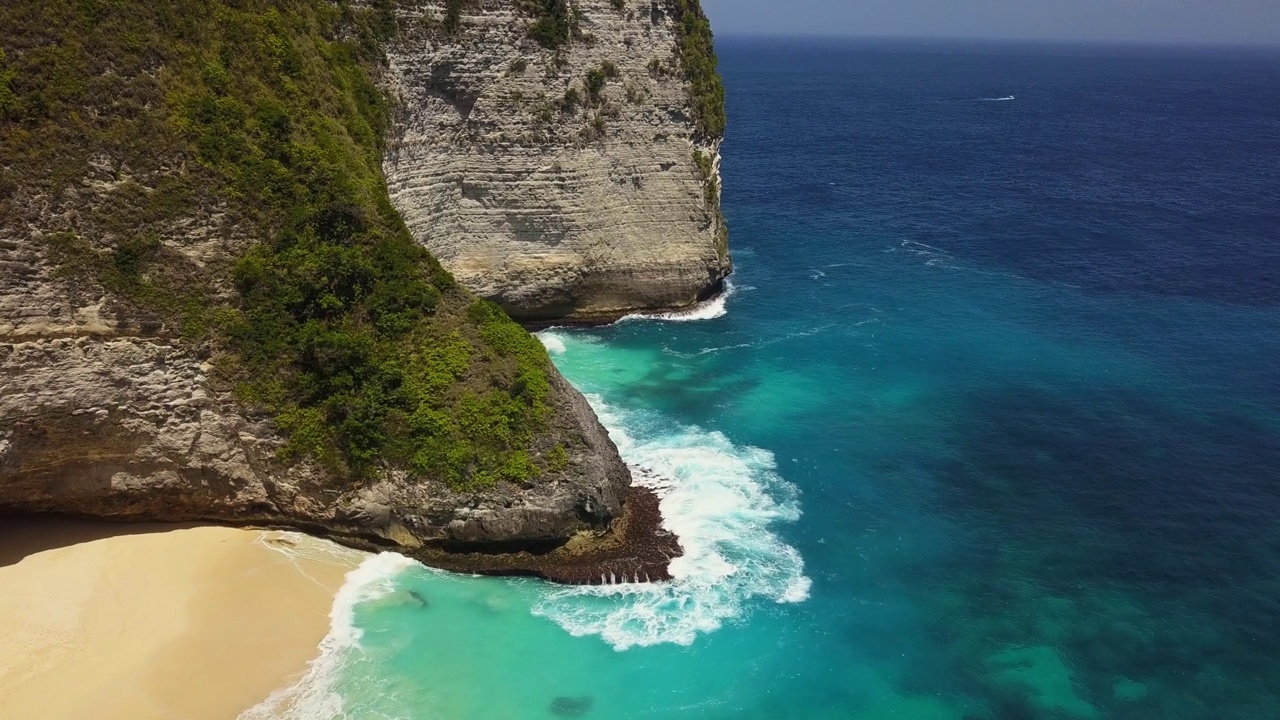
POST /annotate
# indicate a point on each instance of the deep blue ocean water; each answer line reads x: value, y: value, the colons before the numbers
x: 990, y: 428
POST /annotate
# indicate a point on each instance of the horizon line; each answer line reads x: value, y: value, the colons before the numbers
x: 1114, y: 42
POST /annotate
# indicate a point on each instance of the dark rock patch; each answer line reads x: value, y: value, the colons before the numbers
x: 635, y: 549
x: 572, y: 706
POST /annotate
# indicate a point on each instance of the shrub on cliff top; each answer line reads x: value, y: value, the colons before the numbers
x: 347, y: 332
x: 698, y: 58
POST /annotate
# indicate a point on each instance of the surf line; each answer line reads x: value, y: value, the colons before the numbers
x: 716, y: 307
x: 723, y: 501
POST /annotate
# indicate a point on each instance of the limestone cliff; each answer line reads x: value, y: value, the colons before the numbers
x: 565, y: 182
x: 209, y: 309
x: 120, y: 426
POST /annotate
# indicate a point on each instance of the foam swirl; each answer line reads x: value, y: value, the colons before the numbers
x: 721, y: 500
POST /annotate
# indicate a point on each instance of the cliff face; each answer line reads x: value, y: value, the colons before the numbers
x: 107, y: 411
x: 562, y: 177
x: 100, y: 422
x: 211, y: 310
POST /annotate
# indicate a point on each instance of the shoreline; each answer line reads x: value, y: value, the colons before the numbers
x: 134, y: 622
x: 635, y: 545
x: 145, y: 621
x: 596, y: 320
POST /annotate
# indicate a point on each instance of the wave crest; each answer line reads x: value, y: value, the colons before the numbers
x: 716, y: 307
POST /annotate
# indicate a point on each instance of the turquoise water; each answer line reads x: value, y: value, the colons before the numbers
x: 989, y: 427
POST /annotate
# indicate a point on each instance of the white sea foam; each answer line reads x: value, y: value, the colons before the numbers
x: 710, y: 310
x: 721, y: 500
x: 918, y: 248
x: 301, y: 549
x: 706, y: 351
x: 999, y: 99
x: 314, y: 697
x: 553, y: 342
x: 299, y: 546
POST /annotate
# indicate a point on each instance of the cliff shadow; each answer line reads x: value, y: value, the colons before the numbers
x: 22, y: 536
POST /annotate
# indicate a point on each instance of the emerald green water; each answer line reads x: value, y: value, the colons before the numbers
x: 989, y: 427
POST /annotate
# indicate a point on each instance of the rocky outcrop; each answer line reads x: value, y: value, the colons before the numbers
x: 108, y: 412
x: 100, y: 424
x: 564, y: 184
x: 130, y: 428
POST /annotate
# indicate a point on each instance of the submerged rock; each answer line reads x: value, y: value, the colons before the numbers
x: 572, y: 706
x: 1040, y: 675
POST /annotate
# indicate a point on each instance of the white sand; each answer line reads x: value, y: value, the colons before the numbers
x: 109, y: 622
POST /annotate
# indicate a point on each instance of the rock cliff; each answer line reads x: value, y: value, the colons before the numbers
x: 570, y: 182
x: 99, y: 423
x: 211, y: 311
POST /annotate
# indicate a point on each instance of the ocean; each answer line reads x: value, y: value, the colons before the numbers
x: 987, y: 428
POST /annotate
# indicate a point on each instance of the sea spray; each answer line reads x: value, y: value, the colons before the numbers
x: 711, y: 309
x: 721, y: 500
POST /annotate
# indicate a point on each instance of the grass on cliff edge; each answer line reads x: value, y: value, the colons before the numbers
x: 359, y: 344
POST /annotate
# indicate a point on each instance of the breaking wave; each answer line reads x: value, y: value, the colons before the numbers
x: 714, y: 308
x: 721, y: 500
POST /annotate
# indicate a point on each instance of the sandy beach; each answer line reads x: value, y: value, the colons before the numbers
x: 139, y: 622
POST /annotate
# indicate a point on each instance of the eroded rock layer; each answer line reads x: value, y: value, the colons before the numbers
x: 563, y: 183
x: 102, y: 424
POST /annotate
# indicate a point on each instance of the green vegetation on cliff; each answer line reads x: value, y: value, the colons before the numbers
x: 555, y: 22
x: 257, y: 121
x: 7, y: 100
x: 698, y: 58
x: 711, y: 196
